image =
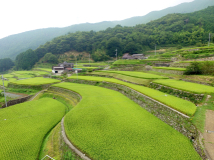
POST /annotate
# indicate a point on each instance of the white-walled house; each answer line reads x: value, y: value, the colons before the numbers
x: 57, y: 70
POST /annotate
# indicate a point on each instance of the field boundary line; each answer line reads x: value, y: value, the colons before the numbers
x: 32, y: 98
x: 66, y: 140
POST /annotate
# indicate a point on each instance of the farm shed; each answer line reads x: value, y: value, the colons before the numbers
x: 57, y: 69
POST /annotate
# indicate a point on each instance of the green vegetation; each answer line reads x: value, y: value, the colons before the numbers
x: 123, y: 77
x: 44, y: 69
x: 25, y: 126
x: 170, y: 68
x: 179, y: 104
x: 137, y: 74
x: 6, y: 64
x: 186, y: 86
x: 36, y: 81
x: 122, y: 130
x: 145, y: 61
x: 7, y: 81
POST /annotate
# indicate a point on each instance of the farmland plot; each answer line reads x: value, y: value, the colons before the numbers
x: 179, y: 104
x: 137, y: 74
x: 108, y: 125
x: 36, y: 81
x: 186, y: 86
x: 23, y: 127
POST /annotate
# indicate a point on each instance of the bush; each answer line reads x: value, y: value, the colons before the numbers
x: 207, y: 68
x: 179, y: 47
x: 194, y: 68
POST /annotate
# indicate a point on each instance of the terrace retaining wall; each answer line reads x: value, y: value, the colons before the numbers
x: 16, y: 101
x: 195, y: 98
x: 21, y: 86
x: 175, y: 119
x: 168, y: 71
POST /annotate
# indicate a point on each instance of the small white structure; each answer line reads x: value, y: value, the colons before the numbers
x: 57, y: 70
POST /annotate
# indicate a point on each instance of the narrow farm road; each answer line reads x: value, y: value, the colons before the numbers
x: 13, y: 95
x: 32, y: 98
x: 209, y: 134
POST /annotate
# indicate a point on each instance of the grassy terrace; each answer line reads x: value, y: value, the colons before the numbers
x: 194, y: 61
x: 36, y: 81
x: 108, y: 125
x: 179, y: 104
x: 170, y: 68
x: 123, y: 77
x: 6, y: 82
x: 25, y: 125
x: 121, y: 62
x: 186, y: 86
x: 137, y: 74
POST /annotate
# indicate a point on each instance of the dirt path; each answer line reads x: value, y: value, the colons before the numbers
x: 209, y: 134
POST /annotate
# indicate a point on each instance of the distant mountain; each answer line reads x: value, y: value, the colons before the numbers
x: 187, y: 7
x: 12, y: 45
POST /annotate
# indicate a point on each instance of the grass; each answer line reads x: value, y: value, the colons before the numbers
x: 179, y: 104
x: 6, y: 82
x: 170, y: 68
x: 186, y: 86
x: 25, y: 126
x: 122, y: 62
x: 123, y: 77
x: 108, y: 125
x: 36, y: 81
x: 44, y: 69
x: 137, y: 74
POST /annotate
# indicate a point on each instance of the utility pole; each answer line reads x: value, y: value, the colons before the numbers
x: 116, y: 54
x: 155, y: 49
x: 89, y: 59
x: 209, y: 40
x: 4, y: 91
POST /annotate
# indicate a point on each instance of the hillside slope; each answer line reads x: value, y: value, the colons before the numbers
x: 12, y: 45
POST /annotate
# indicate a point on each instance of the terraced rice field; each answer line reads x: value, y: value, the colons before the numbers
x: 179, y: 104
x: 137, y: 74
x: 186, y: 86
x: 108, y: 125
x: 123, y: 62
x: 7, y: 81
x: 123, y: 77
x: 23, y: 127
x: 36, y: 81
x: 170, y: 68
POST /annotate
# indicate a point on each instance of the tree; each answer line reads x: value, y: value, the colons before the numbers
x: 112, y: 45
x: 100, y: 55
x: 132, y: 48
x: 50, y: 58
x: 26, y: 60
x: 6, y: 64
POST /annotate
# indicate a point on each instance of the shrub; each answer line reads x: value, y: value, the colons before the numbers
x: 179, y: 47
x: 194, y: 68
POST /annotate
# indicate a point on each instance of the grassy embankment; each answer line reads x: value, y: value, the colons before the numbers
x: 108, y: 125
x: 25, y: 126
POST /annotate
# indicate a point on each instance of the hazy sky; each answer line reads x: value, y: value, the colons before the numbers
x: 18, y: 16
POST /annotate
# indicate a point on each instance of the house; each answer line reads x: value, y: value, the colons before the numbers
x: 57, y: 69
x: 134, y: 56
x: 67, y: 67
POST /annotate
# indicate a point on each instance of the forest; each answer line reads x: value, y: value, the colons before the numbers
x: 171, y: 30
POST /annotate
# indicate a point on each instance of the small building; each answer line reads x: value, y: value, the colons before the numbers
x: 57, y: 69
x: 67, y: 67
x: 134, y: 56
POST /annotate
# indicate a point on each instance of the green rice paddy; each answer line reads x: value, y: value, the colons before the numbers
x: 186, y: 86
x: 24, y: 126
x: 170, y: 68
x: 137, y: 74
x: 36, y: 81
x: 179, y: 104
x: 108, y: 125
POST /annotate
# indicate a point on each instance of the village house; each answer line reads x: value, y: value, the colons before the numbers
x: 63, y: 67
x: 134, y: 56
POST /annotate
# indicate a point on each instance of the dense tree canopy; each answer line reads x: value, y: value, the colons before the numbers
x: 26, y: 60
x: 6, y: 64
